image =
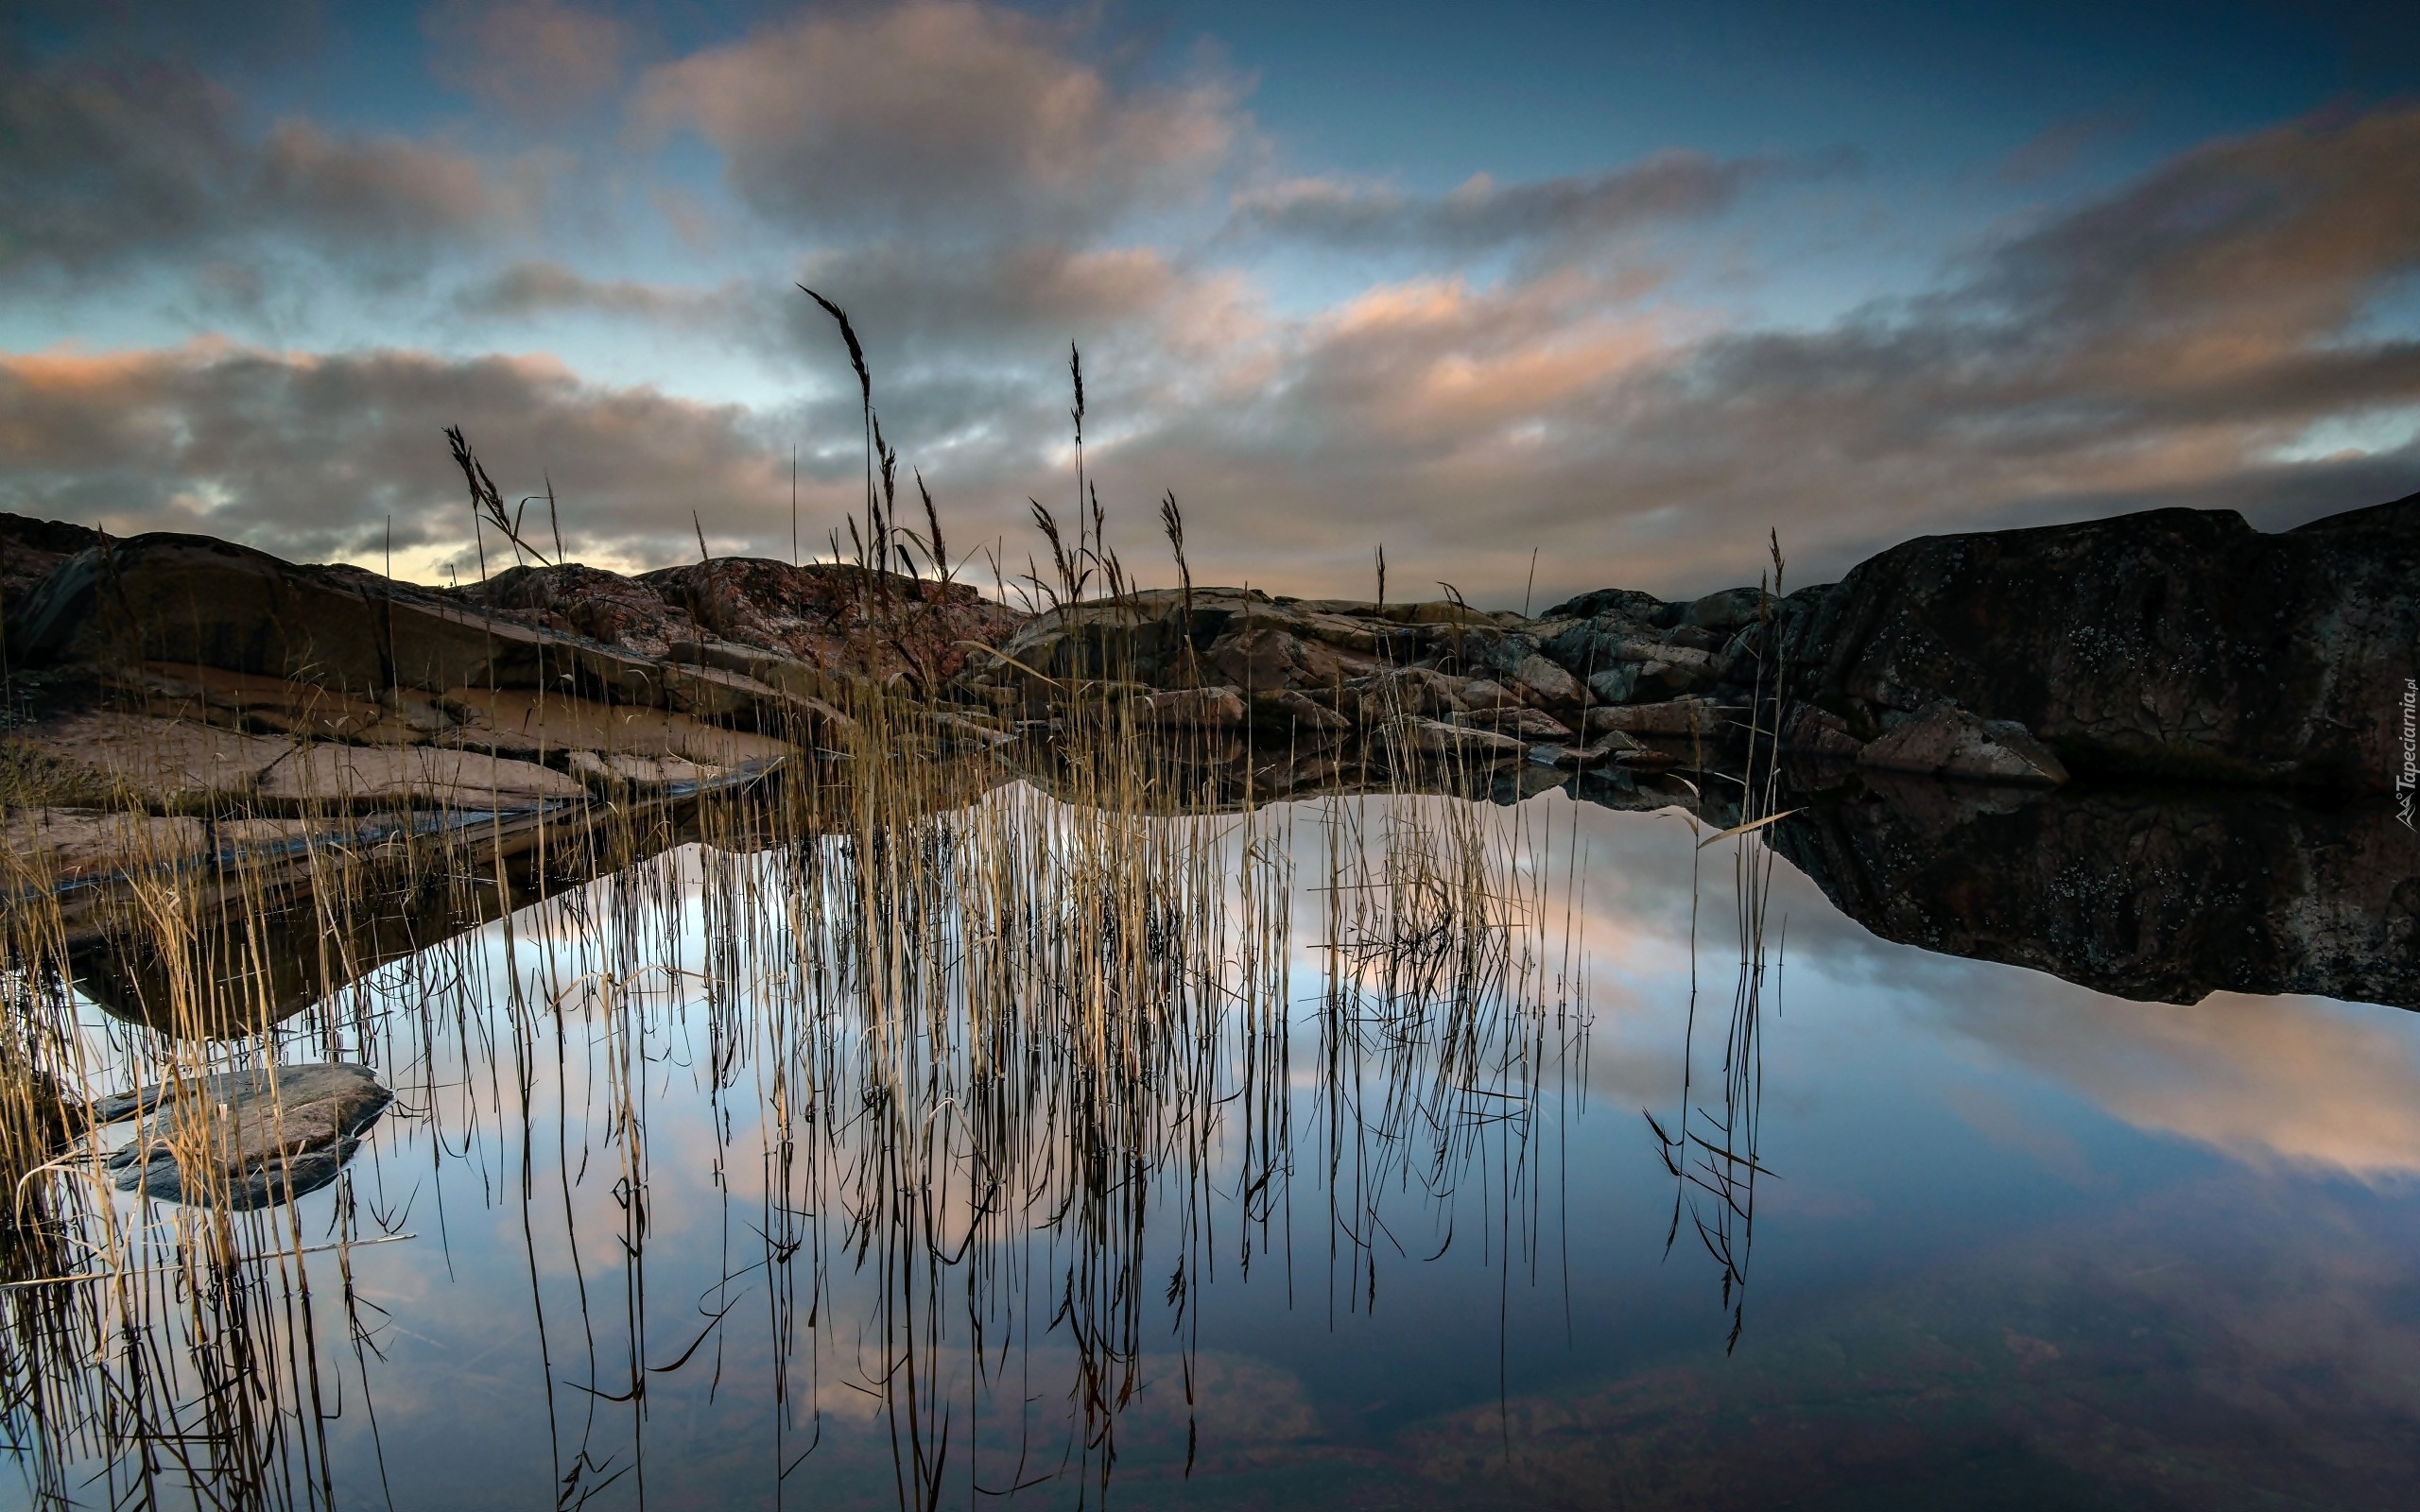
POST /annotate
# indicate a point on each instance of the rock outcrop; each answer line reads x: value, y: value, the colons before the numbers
x: 2177, y: 645
x: 175, y: 694
x: 1439, y: 678
x: 30, y: 549
x: 838, y: 619
x: 246, y: 1139
x: 180, y: 670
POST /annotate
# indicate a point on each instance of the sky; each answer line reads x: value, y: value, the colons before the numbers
x: 1539, y: 297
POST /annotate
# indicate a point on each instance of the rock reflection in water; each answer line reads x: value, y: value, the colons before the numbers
x: 2149, y: 893
x: 297, y: 936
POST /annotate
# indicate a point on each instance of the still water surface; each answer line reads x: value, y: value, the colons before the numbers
x: 2004, y: 1241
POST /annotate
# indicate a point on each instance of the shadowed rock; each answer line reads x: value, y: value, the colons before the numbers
x: 2178, y: 644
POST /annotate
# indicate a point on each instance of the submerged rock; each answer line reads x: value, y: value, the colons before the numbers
x: 247, y: 1137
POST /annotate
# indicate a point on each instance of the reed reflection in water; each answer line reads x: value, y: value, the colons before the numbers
x: 895, y: 1160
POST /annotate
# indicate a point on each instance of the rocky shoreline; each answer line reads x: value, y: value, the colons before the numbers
x: 173, y: 696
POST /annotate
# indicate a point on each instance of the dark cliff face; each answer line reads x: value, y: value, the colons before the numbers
x: 2178, y: 644
x: 2163, y: 895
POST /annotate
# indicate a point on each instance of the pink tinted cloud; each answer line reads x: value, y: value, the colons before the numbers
x: 971, y: 117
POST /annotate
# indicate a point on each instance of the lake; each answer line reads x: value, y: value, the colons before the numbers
x: 1357, y: 1151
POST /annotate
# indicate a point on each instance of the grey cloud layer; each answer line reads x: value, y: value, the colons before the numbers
x: 538, y: 59
x: 311, y: 456
x: 973, y: 187
x: 937, y: 115
x: 109, y: 164
x: 1482, y: 215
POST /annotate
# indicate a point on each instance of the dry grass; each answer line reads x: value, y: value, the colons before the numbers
x: 986, y: 1013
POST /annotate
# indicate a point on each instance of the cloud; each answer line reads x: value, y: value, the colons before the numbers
x: 969, y: 348
x: 2292, y: 1081
x: 940, y: 115
x: 96, y: 161
x: 979, y: 186
x: 310, y: 455
x: 2158, y: 345
x: 107, y: 165
x: 538, y: 59
x: 539, y: 287
x: 2232, y: 255
x: 2055, y: 150
x: 1484, y: 216
x: 377, y: 192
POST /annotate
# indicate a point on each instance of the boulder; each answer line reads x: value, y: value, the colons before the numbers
x: 1480, y: 694
x: 1625, y: 604
x: 1943, y: 740
x: 603, y: 606
x: 1309, y: 714
x: 2176, y: 644
x: 1607, y: 747
x: 1725, y: 612
x: 1548, y: 684
x: 1614, y: 685
x: 1436, y: 738
x: 838, y: 617
x: 1270, y: 659
x: 1701, y: 719
x: 1384, y: 696
x: 1821, y: 733
x: 1529, y: 724
x: 247, y: 1137
x: 1221, y: 707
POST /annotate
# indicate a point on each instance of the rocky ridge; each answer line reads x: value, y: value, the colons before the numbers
x: 2176, y: 644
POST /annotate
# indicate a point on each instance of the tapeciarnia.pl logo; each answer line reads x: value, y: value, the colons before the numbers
x: 2405, y: 779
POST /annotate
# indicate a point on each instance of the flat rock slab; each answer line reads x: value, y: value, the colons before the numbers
x: 521, y: 721
x: 457, y: 779
x: 158, y: 759
x: 247, y: 1137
